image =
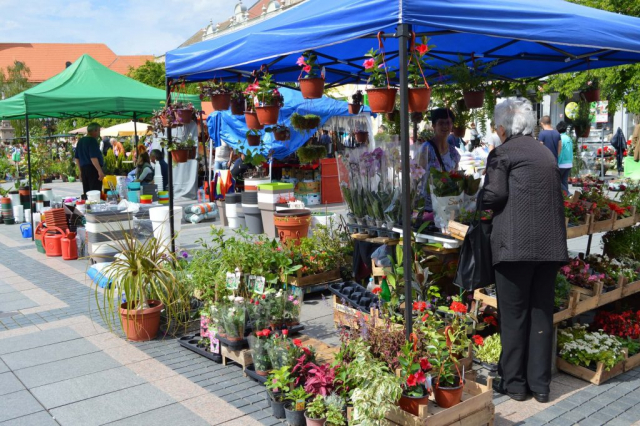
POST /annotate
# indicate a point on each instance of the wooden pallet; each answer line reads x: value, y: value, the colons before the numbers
x: 457, y: 230
x: 597, y: 377
x: 310, y: 280
x: 325, y: 353
x: 580, y: 303
x: 476, y: 409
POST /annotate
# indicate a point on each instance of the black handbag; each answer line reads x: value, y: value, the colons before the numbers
x: 475, y: 265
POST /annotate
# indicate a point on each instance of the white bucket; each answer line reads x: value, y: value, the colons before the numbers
x: 231, y: 210
x: 324, y: 219
x: 93, y: 195
x: 47, y: 194
x: 18, y: 213
x: 27, y: 215
x: 236, y: 222
x: 161, y: 227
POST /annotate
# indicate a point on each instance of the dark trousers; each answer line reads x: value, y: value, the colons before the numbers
x: 90, y: 181
x: 525, y: 307
x: 564, y: 179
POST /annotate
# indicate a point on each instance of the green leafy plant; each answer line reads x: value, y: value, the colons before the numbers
x: 622, y: 243
x: 110, y: 163
x: 577, y: 346
x: 562, y: 291
x: 279, y: 381
x: 308, y: 154
x: 309, y: 63
x: 582, y: 121
x: 413, y: 370
x: 317, y: 409
x: 490, y: 349
x: 335, y: 406
x: 178, y: 144
x: 303, y: 123
x: 469, y: 78
x: 379, y: 75
x: 418, y: 65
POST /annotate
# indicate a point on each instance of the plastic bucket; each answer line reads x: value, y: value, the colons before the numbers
x: 25, y: 229
x: 93, y: 195
x: 160, y: 219
x: 18, y: 213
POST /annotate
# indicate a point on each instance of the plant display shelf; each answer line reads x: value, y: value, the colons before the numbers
x: 376, y: 240
x: 597, y: 377
x: 627, y: 221
x: 578, y: 230
x: 476, y: 409
x: 310, y: 280
x: 191, y: 342
x: 241, y: 357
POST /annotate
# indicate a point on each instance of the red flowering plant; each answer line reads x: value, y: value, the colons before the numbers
x: 459, y: 325
x: 447, y: 184
x: 625, y: 324
x: 414, y: 370
x: 259, y: 343
x: 320, y: 379
x: 308, y: 62
x: 263, y: 92
x: 596, y: 195
x: 376, y: 66
x: 613, y: 268
x: 577, y: 211
x: 418, y: 64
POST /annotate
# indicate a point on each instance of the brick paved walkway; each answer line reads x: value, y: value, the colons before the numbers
x: 59, y: 365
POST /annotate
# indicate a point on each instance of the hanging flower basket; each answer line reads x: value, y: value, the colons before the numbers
x: 459, y: 131
x: 355, y: 109
x: 184, y: 116
x: 473, y: 98
x: 221, y: 102
x: 253, y: 140
x: 362, y: 137
x: 180, y: 155
x: 237, y: 106
x: 168, y: 120
x: 591, y: 95
x: 311, y: 88
x: 583, y: 133
x: 382, y: 100
x: 419, y: 98
x: 282, y: 135
x: 268, y: 115
x: 252, y: 120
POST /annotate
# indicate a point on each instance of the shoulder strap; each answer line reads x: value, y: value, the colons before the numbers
x: 435, y: 149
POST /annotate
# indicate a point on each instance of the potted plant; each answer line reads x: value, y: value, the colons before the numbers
x: 280, y: 132
x: 309, y: 153
x: 234, y: 321
x: 487, y: 350
x: 472, y: 80
x: 591, y: 92
x: 267, y: 100
x: 295, y: 407
x: 303, y: 123
x: 143, y: 277
x: 356, y: 105
x: 173, y: 115
x: 316, y: 413
x: 419, y: 92
x: 250, y: 115
x: 258, y: 344
x: 179, y: 148
x: 237, y: 102
x: 312, y: 84
x: 582, y: 121
x: 449, y: 383
x: 253, y: 137
x: 292, y: 224
x: 219, y: 93
x: 382, y: 98
x: 335, y: 410
x: 413, y: 372
x: 278, y: 383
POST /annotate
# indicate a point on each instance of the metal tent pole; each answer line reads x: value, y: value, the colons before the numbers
x: 404, y: 34
x: 33, y: 231
x: 135, y: 130
x: 206, y: 163
x: 170, y: 174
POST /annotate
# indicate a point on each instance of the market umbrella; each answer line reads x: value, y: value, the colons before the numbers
x: 619, y: 142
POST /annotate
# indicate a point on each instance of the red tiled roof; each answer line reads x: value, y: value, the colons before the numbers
x: 48, y: 59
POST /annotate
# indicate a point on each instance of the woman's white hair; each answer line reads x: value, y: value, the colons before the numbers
x: 113, y: 140
x: 516, y: 116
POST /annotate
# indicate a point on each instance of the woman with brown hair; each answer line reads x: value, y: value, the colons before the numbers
x: 144, y: 170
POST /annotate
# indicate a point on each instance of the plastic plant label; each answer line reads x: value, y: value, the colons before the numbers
x: 215, y: 345
x: 258, y: 286
x: 251, y: 282
x: 231, y: 283
x: 300, y: 405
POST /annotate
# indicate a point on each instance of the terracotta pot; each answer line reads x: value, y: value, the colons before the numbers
x: 448, y: 396
x: 252, y: 120
x: 268, y: 114
x: 314, y: 422
x: 180, y: 155
x: 583, y: 133
x: 419, y: 98
x: 143, y: 324
x: 262, y: 373
x: 382, y: 100
x: 417, y: 117
x: 411, y: 404
x: 311, y: 88
x: 459, y: 131
x: 253, y: 140
x: 592, y: 95
x: 237, y: 107
x: 473, y: 98
x: 292, y: 224
x: 362, y: 137
x: 355, y: 109
x: 282, y: 135
x: 165, y: 121
x: 184, y: 116
x: 192, y: 153
x: 221, y: 102
x: 234, y: 339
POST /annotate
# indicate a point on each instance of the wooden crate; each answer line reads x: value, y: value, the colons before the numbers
x: 630, y: 288
x: 482, y: 296
x: 457, y: 230
x: 242, y: 357
x: 344, y: 315
x: 602, y: 225
x: 597, y: 377
x: 323, y: 277
x: 580, y: 302
x: 579, y: 230
x: 626, y: 222
x: 632, y: 362
x: 475, y: 409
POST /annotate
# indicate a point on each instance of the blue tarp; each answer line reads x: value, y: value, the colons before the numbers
x: 232, y: 128
x: 529, y: 38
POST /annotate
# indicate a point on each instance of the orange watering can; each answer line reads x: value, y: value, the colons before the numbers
x: 52, y: 242
x: 69, y: 247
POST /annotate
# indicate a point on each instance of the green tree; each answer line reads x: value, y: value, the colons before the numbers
x: 150, y: 73
x: 15, y: 80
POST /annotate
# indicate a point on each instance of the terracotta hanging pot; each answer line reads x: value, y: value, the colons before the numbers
x: 268, y: 115
x: 164, y: 118
x: 184, y: 116
x: 292, y: 224
x: 282, y: 135
x: 447, y: 397
x: 237, y: 106
x: 355, y: 109
x: 459, y: 131
x: 192, y: 153
x: 411, y: 404
x: 419, y: 98
x: 591, y: 95
x: 311, y: 88
x: 583, y: 133
x: 473, y: 98
x: 362, y: 137
x: 252, y: 120
x: 141, y: 324
x: 253, y: 140
x: 382, y: 99
x: 221, y: 102
x: 180, y: 155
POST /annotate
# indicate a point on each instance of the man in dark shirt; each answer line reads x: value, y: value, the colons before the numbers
x: 325, y: 140
x: 89, y: 159
x: 156, y: 156
x: 550, y: 136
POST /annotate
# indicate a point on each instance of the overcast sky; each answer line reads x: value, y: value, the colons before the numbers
x: 128, y: 27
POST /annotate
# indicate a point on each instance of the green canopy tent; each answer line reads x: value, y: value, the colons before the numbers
x: 87, y: 89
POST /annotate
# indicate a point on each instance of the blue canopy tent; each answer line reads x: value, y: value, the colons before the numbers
x: 528, y: 39
x: 232, y: 128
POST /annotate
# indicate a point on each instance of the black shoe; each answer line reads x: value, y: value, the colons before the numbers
x: 540, y: 397
x: 497, y: 386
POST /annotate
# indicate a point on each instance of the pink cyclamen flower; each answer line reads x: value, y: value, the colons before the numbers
x: 301, y: 61
x: 369, y: 63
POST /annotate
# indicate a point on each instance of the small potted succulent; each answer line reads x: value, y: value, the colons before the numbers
x: 382, y: 97
x: 295, y: 406
x: 419, y: 92
x: 280, y: 132
x: 356, y: 105
x: 219, y: 93
x: 312, y: 84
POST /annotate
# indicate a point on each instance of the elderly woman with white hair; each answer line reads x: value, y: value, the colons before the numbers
x: 528, y: 245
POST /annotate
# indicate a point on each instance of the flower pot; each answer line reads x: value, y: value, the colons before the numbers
x: 592, y: 95
x: 234, y: 339
x: 448, y: 396
x: 282, y: 135
x: 237, y: 106
x: 311, y: 88
x: 382, y: 100
x: 314, y: 422
x: 141, y: 324
x: 192, y: 153
x: 583, y: 133
x: 180, y: 155
x: 355, y: 109
x: 268, y: 114
x: 278, y: 409
x: 393, y: 115
x: 362, y: 137
x: 261, y: 373
x: 183, y: 116
x: 253, y: 140
x: 411, y: 404
x: 459, y: 131
x: 419, y: 98
x: 221, y: 102
x: 294, y: 418
x: 252, y: 120
x: 292, y: 224
x: 473, y: 98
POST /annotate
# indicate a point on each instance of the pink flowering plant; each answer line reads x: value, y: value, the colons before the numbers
x: 375, y: 66
x: 309, y: 64
x: 581, y: 274
x: 264, y: 92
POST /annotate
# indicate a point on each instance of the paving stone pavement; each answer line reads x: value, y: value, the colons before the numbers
x: 59, y: 365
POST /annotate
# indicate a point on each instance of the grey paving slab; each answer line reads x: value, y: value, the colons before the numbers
x: 9, y: 383
x: 50, y: 353
x: 6, y: 288
x: 3, y: 367
x: 37, y: 340
x: 171, y: 415
x: 21, y: 302
x: 41, y: 418
x: 18, y: 404
x: 85, y: 387
x: 66, y: 369
x: 113, y: 406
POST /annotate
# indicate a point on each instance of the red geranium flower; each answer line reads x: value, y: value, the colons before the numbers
x: 259, y: 333
x: 491, y: 320
x: 297, y: 342
x: 458, y: 307
x: 420, y: 377
x: 424, y: 364
x: 264, y: 296
x: 478, y: 340
x: 424, y: 318
x: 412, y: 380
x: 377, y: 290
x: 285, y: 332
x: 422, y: 49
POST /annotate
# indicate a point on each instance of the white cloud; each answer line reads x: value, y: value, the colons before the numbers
x: 128, y: 27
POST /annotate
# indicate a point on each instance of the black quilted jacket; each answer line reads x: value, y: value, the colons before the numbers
x: 522, y: 187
